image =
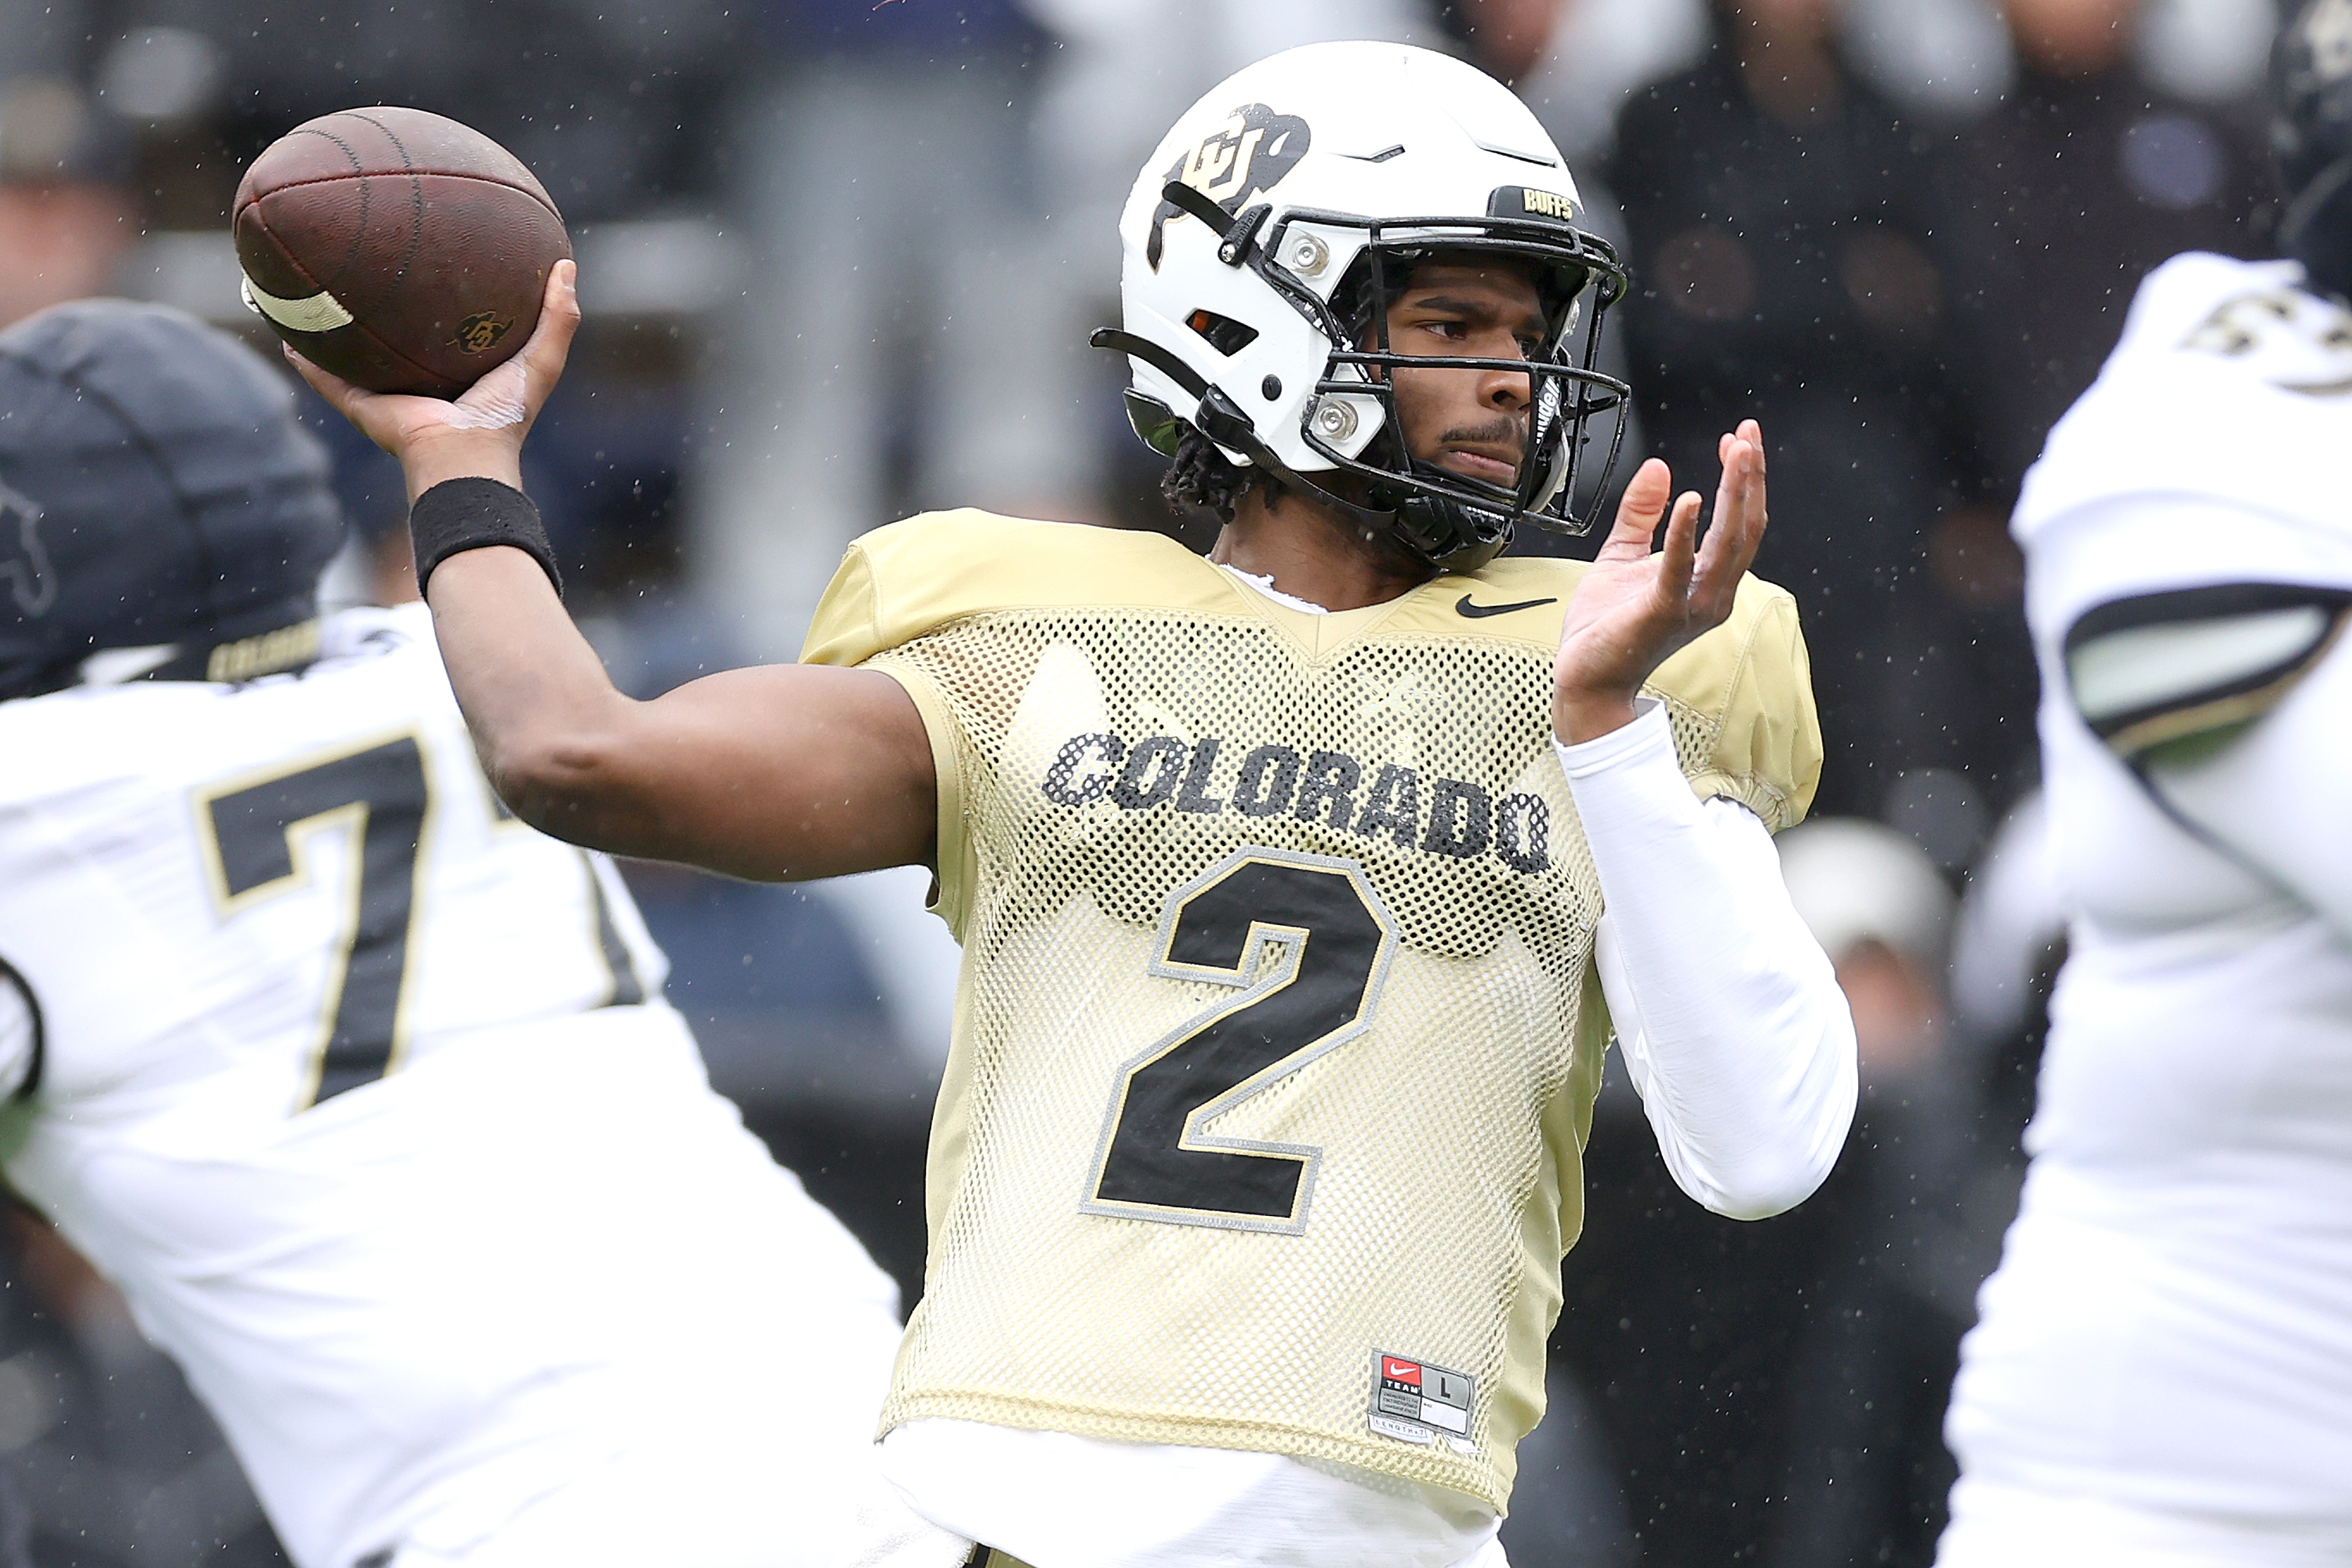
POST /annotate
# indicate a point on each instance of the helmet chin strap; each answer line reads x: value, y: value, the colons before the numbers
x: 1221, y: 420
x: 1441, y: 516
x: 1391, y: 523
x: 1229, y: 427
x: 1382, y: 521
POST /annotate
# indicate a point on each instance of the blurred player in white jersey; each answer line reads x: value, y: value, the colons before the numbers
x: 360, y: 1090
x: 2162, y: 1376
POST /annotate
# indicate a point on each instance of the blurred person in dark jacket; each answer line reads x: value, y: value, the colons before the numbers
x: 1783, y: 228
x: 1865, y: 1469
x: 609, y: 105
x: 1783, y: 225
x: 2083, y: 179
x: 2085, y: 176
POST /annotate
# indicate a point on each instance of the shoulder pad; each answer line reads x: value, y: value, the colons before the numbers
x: 2267, y: 364
x: 1741, y: 703
x: 2160, y: 667
x: 912, y: 578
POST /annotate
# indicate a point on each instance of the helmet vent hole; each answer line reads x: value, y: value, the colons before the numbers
x: 1226, y: 335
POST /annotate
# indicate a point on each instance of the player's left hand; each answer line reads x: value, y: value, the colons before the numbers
x: 481, y: 431
x: 1634, y: 609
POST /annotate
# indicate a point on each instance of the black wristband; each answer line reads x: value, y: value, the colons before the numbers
x: 468, y: 513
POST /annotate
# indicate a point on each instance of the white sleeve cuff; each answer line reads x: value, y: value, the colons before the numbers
x: 1728, y: 1013
x: 1649, y: 735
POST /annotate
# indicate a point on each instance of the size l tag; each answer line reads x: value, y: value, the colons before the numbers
x: 1417, y: 1402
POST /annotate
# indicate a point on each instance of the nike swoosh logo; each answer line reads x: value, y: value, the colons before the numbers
x: 1463, y: 606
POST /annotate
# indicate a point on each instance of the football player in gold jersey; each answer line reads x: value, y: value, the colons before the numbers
x: 1301, y: 887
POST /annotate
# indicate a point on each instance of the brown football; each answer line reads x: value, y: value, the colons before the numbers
x: 401, y: 250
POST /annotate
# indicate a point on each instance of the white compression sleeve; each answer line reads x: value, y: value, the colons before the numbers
x: 1728, y: 1013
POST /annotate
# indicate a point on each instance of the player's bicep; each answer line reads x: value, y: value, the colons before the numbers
x: 778, y: 772
x: 2164, y: 677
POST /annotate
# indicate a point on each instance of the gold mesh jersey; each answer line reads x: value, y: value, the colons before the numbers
x: 1278, y: 1031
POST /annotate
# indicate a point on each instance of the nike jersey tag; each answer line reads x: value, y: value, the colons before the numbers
x: 1463, y: 606
x: 1418, y: 1403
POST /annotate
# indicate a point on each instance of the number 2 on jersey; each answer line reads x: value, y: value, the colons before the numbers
x: 1308, y: 941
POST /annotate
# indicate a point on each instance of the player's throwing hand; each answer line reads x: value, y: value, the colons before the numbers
x: 1634, y: 609
x: 482, y: 432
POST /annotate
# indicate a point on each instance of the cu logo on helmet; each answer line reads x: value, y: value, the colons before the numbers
x: 24, y: 565
x: 1245, y: 156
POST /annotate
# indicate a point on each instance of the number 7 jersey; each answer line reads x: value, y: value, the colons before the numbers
x: 291, y: 861
x: 365, y: 1095
x: 1278, y: 1032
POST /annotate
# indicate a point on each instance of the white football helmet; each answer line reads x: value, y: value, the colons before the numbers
x: 1262, y: 242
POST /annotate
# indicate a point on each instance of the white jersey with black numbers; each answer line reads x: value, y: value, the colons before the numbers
x: 364, y: 1094
x: 2169, y: 1333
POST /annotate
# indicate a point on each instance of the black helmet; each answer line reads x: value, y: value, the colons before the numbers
x: 2311, y: 132
x: 156, y: 493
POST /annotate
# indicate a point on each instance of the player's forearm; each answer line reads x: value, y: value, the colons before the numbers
x: 442, y: 455
x: 545, y: 715
x: 774, y: 774
x: 1728, y: 1012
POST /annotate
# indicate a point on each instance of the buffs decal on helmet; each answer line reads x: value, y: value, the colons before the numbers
x: 1239, y: 161
x: 32, y: 587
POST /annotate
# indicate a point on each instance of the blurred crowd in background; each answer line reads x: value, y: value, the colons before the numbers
x: 839, y: 259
